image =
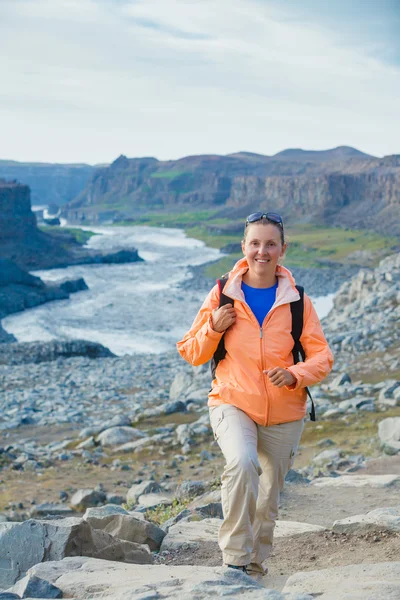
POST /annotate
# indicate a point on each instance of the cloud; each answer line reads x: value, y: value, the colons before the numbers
x: 87, y: 80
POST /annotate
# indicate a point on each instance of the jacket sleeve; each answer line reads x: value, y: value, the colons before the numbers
x: 201, y: 341
x: 319, y: 358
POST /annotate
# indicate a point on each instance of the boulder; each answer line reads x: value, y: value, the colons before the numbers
x: 379, y: 581
x: 145, y: 487
x: 30, y: 542
x: 190, y: 489
x: 113, y: 436
x: 22, y: 546
x: 382, y: 518
x: 120, y: 524
x: 83, y: 499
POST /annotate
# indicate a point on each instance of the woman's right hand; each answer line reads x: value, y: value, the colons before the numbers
x: 223, y: 317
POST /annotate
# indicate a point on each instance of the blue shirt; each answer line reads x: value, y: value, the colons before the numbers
x: 260, y: 300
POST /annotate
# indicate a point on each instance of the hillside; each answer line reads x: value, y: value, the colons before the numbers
x: 335, y: 187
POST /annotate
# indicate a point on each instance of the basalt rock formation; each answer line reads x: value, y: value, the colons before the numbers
x: 339, y: 186
x: 30, y: 248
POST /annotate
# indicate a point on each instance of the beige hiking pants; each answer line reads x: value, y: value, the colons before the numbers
x: 257, y: 460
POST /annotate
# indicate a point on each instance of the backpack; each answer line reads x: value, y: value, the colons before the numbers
x: 297, y: 310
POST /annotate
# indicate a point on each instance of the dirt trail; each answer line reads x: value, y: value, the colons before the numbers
x: 321, y: 506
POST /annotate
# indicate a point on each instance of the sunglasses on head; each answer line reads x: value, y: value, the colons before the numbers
x: 270, y: 216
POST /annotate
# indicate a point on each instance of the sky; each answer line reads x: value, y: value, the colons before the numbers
x: 88, y: 80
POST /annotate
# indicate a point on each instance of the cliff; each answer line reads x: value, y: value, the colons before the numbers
x: 49, y: 183
x: 20, y: 239
x: 30, y: 248
x: 338, y: 186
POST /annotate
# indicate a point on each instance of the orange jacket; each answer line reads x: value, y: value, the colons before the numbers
x: 251, y: 349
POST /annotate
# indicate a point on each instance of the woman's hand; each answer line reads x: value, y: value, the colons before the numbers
x: 223, y: 317
x: 280, y: 377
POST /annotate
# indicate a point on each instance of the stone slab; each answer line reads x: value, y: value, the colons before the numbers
x: 85, y: 578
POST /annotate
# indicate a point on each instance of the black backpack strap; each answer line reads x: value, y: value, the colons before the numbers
x: 297, y: 310
x: 220, y: 352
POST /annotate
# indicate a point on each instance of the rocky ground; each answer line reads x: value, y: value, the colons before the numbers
x: 131, y: 436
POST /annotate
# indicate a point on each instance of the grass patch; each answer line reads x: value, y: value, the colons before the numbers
x: 167, y: 174
x: 66, y: 234
x: 355, y: 433
x: 162, y: 513
x: 308, y: 244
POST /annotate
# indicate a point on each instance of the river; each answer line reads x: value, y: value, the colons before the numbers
x: 129, y: 308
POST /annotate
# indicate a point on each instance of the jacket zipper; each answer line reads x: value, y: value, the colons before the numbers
x: 254, y: 318
x: 264, y: 376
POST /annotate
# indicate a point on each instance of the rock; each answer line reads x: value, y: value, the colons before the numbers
x: 187, y: 534
x: 78, y: 577
x: 389, y: 434
x: 39, y: 352
x: 379, y: 581
x: 327, y: 457
x: 173, y: 407
x: 83, y: 499
x: 43, y: 510
x: 385, y: 518
x: 190, y: 534
x: 190, y: 489
x: 180, y: 385
x: 22, y: 546
x: 207, y: 498
x: 212, y: 510
x: 120, y: 257
x: 136, y: 490
x: 133, y: 446
x: 89, y: 443
x: 376, y: 481
x: 119, y: 435
x: 35, y: 587
x: 31, y: 542
x: 123, y: 526
x: 293, y: 476
x: 289, y: 528
x: 340, y: 379
x: 148, y: 501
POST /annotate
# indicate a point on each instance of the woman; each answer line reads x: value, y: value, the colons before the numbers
x: 258, y: 397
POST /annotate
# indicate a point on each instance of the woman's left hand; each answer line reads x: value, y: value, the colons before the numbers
x: 280, y: 377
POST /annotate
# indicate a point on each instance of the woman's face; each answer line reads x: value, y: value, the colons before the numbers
x: 263, y: 248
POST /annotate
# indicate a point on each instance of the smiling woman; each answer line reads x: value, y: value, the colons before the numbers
x: 258, y: 396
